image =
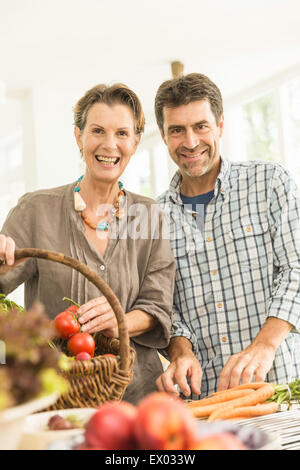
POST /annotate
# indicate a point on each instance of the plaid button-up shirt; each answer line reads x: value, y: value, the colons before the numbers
x: 239, y: 268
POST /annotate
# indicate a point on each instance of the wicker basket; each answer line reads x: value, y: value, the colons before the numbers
x: 103, y: 378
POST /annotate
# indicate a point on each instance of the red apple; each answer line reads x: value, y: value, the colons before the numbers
x: 164, y: 423
x: 111, y: 427
x: 222, y: 441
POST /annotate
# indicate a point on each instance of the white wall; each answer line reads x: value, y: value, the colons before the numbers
x: 50, y: 151
x: 10, y: 117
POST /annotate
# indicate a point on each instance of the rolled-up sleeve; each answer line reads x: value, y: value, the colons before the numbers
x: 156, y: 292
x: 180, y: 328
x: 285, y: 222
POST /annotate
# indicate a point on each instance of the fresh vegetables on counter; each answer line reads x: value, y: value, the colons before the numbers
x: 241, y: 402
x: 162, y: 422
x: 246, y: 401
x: 159, y: 422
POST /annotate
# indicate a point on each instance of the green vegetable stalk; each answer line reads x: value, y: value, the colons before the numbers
x: 6, y: 305
x: 72, y: 301
x: 287, y: 393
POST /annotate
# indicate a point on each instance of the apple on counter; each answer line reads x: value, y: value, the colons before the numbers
x: 111, y: 427
x: 159, y: 422
x: 163, y: 423
x: 221, y: 441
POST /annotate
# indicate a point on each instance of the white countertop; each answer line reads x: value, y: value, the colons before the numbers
x: 286, y: 424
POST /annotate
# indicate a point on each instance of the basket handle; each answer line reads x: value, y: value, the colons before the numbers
x: 25, y: 253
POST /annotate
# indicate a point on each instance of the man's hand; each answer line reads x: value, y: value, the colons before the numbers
x: 253, y: 362
x: 184, y: 365
x: 256, y: 360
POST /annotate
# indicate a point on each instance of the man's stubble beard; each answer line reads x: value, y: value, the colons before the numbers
x: 202, y: 170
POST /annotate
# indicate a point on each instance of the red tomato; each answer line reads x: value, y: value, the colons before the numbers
x: 83, y: 356
x: 81, y: 342
x: 66, y: 324
x: 72, y: 309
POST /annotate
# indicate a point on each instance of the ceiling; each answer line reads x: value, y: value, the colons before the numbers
x: 77, y: 43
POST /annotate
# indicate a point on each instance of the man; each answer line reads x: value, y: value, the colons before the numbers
x: 237, y: 298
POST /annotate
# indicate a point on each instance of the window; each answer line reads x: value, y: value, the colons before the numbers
x: 266, y: 126
x: 290, y: 99
x: 12, y: 185
x: 137, y: 175
x: 12, y: 173
x: 150, y: 169
x: 260, y: 129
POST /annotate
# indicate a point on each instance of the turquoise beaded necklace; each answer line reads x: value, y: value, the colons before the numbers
x: 80, y: 206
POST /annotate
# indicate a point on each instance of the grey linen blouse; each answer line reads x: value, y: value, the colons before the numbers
x: 139, y: 269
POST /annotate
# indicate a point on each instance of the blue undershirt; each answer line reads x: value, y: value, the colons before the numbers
x: 202, y: 199
x: 198, y: 205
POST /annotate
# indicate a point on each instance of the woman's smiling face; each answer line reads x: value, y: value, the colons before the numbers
x: 108, y: 140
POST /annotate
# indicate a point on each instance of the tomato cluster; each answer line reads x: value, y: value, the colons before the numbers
x: 81, y: 342
x: 67, y: 327
x: 66, y: 323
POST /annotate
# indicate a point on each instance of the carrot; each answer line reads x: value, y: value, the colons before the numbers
x: 244, y: 412
x: 254, y: 385
x: 237, y: 418
x: 220, y: 398
x: 201, y: 411
x: 253, y: 398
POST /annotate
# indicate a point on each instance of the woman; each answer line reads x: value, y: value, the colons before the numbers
x: 93, y: 220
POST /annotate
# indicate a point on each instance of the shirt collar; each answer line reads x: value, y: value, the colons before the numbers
x: 221, y: 184
x: 223, y: 177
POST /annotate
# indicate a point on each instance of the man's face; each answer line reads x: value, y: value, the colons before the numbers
x: 192, y: 137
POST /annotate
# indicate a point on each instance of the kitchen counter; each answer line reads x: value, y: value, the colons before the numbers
x: 286, y: 424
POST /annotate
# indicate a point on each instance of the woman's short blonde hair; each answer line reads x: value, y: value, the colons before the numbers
x: 114, y: 94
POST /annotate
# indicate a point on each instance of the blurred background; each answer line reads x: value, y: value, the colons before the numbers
x: 51, y: 52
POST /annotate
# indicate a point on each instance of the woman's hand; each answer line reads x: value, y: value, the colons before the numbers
x: 97, y: 315
x: 7, y: 250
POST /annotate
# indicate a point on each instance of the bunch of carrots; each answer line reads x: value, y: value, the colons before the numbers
x: 241, y: 402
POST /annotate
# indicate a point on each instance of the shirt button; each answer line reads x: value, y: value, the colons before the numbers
x: 214, y: 272
x: 102, y: 267
x: 249, y: 229
x: 194, y: 215
x: 208, y: 239
x: 219, y: 305
x: 224, y: 339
